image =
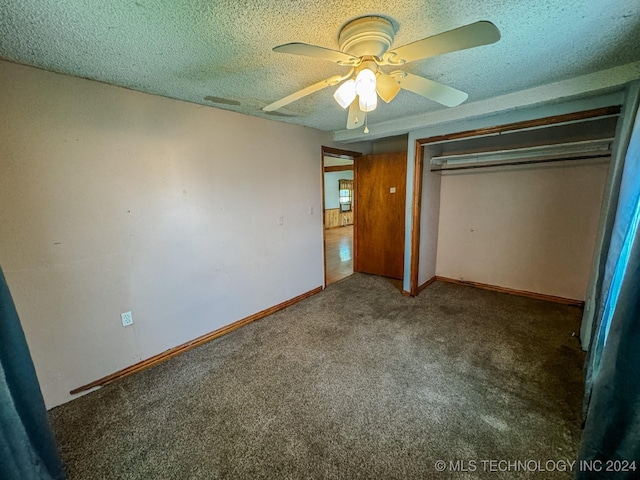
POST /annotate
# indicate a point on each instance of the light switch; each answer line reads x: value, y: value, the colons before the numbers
x: 392, y: 190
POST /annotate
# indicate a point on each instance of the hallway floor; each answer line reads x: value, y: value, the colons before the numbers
x: 339, y: 253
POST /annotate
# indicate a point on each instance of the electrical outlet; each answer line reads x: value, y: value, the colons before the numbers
x: 280, y: 220
x: 310, y: 209
x: 127, y: 319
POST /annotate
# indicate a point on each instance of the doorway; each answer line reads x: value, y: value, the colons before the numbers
x: 363, y: 213
x: 338, y: 172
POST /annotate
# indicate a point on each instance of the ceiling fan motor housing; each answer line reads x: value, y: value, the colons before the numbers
x: 366, y: 36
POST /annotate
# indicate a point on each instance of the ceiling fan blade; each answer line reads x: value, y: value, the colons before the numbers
x: 435, y: 91
x: 469, y: 36
x: 356, y: 116
x: 315, y: 51
x: 304, y: 92
x: 387, y: 87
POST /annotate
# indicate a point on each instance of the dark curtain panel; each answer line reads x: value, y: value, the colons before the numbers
x: 27, y: 446
x: 611, y: 438
x: 596, y: 288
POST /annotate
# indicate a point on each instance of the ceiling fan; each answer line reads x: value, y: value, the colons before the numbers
x: 365, y: 47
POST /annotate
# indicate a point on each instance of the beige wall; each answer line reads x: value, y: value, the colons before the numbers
x: 113, y: 200
x: 390, y: 144
x: 528, y: 228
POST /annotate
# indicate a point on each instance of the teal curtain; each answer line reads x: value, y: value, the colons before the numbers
x: 610, y: 445
x: 27, y: 445
x: 597, y: 287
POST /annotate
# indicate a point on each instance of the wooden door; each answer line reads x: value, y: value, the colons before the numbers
x: 380, y: 190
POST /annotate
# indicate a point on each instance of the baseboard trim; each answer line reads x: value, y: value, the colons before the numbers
x: 521, y: 293
x: 420, y: 288
x: 426, y: 284
x: 207, y: 337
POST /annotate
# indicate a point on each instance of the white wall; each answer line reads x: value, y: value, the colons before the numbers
x: 114, y: 200
x: 429, y: 220
x: 331, y: 191
x: 527, y: 228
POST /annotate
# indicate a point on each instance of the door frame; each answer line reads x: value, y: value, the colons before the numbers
x: 350, y: 155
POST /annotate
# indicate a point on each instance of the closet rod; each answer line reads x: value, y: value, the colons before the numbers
x: 525, y: 162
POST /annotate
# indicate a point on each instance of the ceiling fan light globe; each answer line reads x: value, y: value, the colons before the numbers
x: 368, y: 102
x: 346, y: 93
x: 366, y: 83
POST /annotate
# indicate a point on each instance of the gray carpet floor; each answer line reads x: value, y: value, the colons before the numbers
x: 355, y: 382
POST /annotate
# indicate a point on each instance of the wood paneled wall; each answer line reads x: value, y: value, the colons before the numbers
x: 334, y: 218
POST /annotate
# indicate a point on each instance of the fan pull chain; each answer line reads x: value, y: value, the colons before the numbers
x: 366, y: 128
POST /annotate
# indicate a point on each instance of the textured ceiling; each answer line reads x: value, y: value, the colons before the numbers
x: 218, y: 52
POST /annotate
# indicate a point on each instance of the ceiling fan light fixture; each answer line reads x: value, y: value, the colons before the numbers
x: 366, y: 89
x: 346, y: 94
